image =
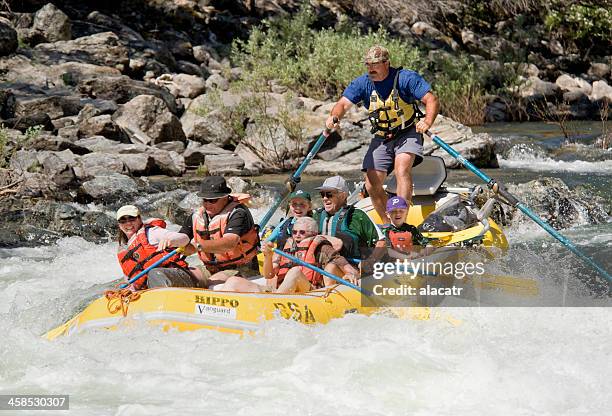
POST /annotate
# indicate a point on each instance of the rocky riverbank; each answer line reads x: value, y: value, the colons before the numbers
x: 99, y: 108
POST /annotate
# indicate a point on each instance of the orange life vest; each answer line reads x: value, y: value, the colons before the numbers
x: 400, y: 240
x: 204, y: 230
x: 140, y: 254
x: 305, y: 250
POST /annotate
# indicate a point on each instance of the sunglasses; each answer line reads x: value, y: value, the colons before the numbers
x: 298, y: 204
x: 327, y: 194
x: 299, y: 232
x: 211, y: 200
x: 127, y: 219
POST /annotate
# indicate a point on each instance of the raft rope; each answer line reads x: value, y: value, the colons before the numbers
x: 119, y: 300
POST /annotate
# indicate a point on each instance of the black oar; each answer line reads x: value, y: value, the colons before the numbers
x: 499, y: 189
x: 295, y: 178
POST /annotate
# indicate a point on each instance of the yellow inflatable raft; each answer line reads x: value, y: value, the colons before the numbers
x: 190, y: 308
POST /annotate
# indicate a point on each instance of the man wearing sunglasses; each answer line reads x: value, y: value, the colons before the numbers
x: 223, y: 234
x: 390, y: 95
x: 338, y: 219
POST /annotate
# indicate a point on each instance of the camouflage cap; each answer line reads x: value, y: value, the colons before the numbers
x: 376, y: 54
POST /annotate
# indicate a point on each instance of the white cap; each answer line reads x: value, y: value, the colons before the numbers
x: 335, y: 183
x: 129, y: 210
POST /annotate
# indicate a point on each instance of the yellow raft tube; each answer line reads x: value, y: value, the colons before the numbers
x: 192, y: 308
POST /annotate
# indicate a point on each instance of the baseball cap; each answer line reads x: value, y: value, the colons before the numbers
x: 300, y: 194
x: 128, y: 210
x: 335, y: 183
x: 376, y: 54
x: 397, y: 202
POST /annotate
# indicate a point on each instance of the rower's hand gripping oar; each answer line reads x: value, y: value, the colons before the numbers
x: 319, y: 270
x: 294, y: 179
x: 499, y: 189
x: 151, y: 267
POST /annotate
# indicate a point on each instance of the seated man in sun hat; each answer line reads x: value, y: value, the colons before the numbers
x: 223, y: 233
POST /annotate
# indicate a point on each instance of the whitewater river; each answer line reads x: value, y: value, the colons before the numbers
x: 469, y: 361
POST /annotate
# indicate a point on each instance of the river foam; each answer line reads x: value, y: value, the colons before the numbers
x: 539, y: 163
x: 482, y: 362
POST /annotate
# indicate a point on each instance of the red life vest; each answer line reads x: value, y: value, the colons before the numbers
x: 203, y: 230
x: 140, y: 254
x: 305, y: 250
x: 400, y: 240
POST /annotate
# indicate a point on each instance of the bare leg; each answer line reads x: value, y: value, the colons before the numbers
x: 403, y: 173
x: 374, y: 185
x: 205, y: 279
x: 333, y: 269
x: 240, y: 284
x: 294, y: 281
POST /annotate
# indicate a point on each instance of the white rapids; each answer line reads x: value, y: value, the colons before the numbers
x: 497, y: 361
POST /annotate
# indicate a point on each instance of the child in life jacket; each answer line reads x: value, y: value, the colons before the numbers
x: 300, y: 205
x: 400, y: 235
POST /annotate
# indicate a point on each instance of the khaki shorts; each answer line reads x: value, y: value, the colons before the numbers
x: 243, y: 271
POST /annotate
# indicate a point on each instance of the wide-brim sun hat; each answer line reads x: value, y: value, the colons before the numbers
x: 214, y: 187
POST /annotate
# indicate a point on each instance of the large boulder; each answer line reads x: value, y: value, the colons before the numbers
x: 478, y: 149
x: 168, y: 162
x: 150, y: 115
x: 8, y: 37
x: 59, y: 166
x: 568, y: 83
x: 94, y: 164
x: 51, y: 24
x: 101, y: 125
x: 560, y: 206
x: 109, y: 188
x: 54, y: 105
x: 100, y: 49
x: 534, y: 88
x: 226, y: 164
x: 205, y: 127
x: 599, y: 70
x: 195, y: 152
x: 182, y: 85
x: 138, y: 164
x: 601, y: 91
x: 46, y: 73
x: 123, y: 89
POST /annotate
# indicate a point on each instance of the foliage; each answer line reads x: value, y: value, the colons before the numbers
x: 318, y: 64
x: 202, y: 170
x: 459, y: 86
x: 580, y: 21
x: 275, y: 130
x: 33, y: 132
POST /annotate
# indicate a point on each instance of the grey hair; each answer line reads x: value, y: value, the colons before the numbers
x: 308, y: 223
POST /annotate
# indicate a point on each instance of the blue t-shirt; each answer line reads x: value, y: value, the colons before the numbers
x: 411, y: 87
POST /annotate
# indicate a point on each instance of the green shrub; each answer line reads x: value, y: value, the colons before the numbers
x: 318, y: 64
x: 33, y: 132
x: 585, y: 23
x: 202, y: 170
x: 459, y: 86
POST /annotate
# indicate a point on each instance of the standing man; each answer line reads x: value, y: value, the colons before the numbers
x: 390, y: 95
